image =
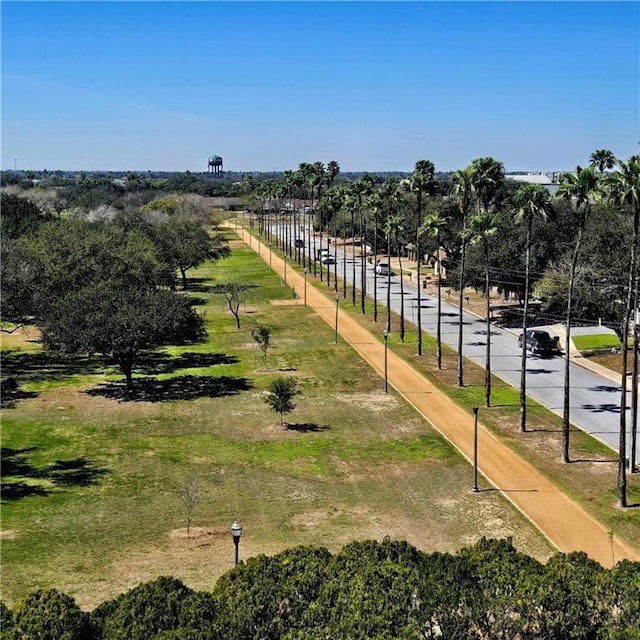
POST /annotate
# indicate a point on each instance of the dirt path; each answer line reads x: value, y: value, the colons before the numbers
x: 562, y: 521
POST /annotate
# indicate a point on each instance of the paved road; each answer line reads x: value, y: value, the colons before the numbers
x: 594, y: 399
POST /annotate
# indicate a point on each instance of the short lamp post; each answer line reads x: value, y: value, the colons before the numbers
x: 337, y: 305
x: 236, y: 532
x: 305, y: 286
x: 270, y: 242
x: 385, y: 333
x: 475, y: 449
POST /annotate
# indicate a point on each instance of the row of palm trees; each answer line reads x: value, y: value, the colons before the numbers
x: 391, y: 211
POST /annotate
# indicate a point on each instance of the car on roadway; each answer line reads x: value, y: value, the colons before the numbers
x: 328, y: 259
x: 538, y: 341
x: 383, y: 269
x: 299, y: 243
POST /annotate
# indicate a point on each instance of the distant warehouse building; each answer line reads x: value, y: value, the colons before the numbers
x: 548, y: 180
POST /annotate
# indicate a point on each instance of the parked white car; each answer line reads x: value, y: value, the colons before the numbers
x: 383, y: 269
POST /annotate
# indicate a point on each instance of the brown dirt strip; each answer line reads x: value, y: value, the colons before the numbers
x: 566, y: 525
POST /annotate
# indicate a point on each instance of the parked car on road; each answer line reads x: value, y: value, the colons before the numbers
x: 300, y: 243
x: 328, y: 259
x: 538, y: 341
x: 383, y: 269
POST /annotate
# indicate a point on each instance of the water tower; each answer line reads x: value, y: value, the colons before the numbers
x: 215, y: 166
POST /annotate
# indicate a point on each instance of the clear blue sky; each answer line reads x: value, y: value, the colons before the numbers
x: 267, y: 85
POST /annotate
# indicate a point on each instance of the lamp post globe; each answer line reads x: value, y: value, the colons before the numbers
x: 236, y: 532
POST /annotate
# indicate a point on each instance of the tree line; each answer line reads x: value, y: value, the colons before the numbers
x: 576, y: 250
x: 367, y: 590
x: 105, y: 281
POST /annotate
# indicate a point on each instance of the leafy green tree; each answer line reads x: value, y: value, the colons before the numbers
x: 268, y: 597
x: 185, y: 244
x: 119, y: 322
x: 532, y: 201
x: 149, y: 609
x: 51, y: 615
x: 581, y: 189
x: 262, y: 335
x: 280, y: 396
x: 19, y: 216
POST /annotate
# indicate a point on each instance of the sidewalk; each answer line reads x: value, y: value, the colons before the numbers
x: 566, y: 525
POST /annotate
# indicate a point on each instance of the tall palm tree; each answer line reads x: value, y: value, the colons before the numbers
x: 625, y: 190
x: 461, y: 187
x: 481, y: 228
x: 351, y: 205
x: 602, y: 159
x: 375, y: 204
x: 532, y: 202
x: 362, y: 189
x: 432, y: 226
x: 395, y: 226
x: 288, y: 184
x: 421, y: 182
x: 305, y: 171
x: 487, y: 178
x: 582, y: 189
x: 333, y: 169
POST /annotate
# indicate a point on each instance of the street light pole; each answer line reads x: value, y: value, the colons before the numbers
x: 385, y: 333
x: 236, y: 532
x: 337, y: 305
x: 305, y: 286
x: 285, y: 269
x: 270, y: 269
x: 475, y: 449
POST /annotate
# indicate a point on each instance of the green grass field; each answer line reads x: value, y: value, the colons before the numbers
x: 93, y: 506
x: 596, y: 341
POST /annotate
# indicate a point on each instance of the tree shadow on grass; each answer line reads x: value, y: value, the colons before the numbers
x: 10, y: 393
x: 160, y: 362
x: 305, y: 427
x: 178, y: 388
x: 17, y: 469
x: 19, y: 367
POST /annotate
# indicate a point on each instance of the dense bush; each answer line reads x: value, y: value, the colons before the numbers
x: 387, y: 590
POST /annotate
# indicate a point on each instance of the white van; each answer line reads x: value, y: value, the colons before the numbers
x: 383, y: 269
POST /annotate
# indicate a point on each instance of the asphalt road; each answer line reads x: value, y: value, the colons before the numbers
x: 594, y: 399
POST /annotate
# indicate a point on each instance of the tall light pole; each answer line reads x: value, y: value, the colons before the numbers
x: 236, y: 532
x: 270, y: 242
x: 385, y: 333
x: 337, y: 305
x: 305, y: 286
x: 285, y: 269
x: 475, y: 449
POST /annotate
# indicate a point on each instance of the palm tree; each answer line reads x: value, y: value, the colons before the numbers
x: 481, y: 228
x: 532, y: 202
x: 432, y: 226
x: 461, y: 190
x: 374, y: 204
x: 305, y: 171
x: 582, y: 189
x: 420, y: 182
x: 351, y: 205
x: 362, y: 189
x: 487, y: 178
x: 625, y: 190
x: 602, y: 159
x: 395, y: 225
x: 333, y: 169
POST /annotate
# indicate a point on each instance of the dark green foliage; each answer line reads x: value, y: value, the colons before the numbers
x: 265, y: 597
x: 49, y: 615
x: 19, y: 216
x: 164, y: 608
x: 369, y: 590
x: 280, y: 395
x: 119, y: 322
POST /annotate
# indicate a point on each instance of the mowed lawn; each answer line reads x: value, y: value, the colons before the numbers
x: 94, y: 506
